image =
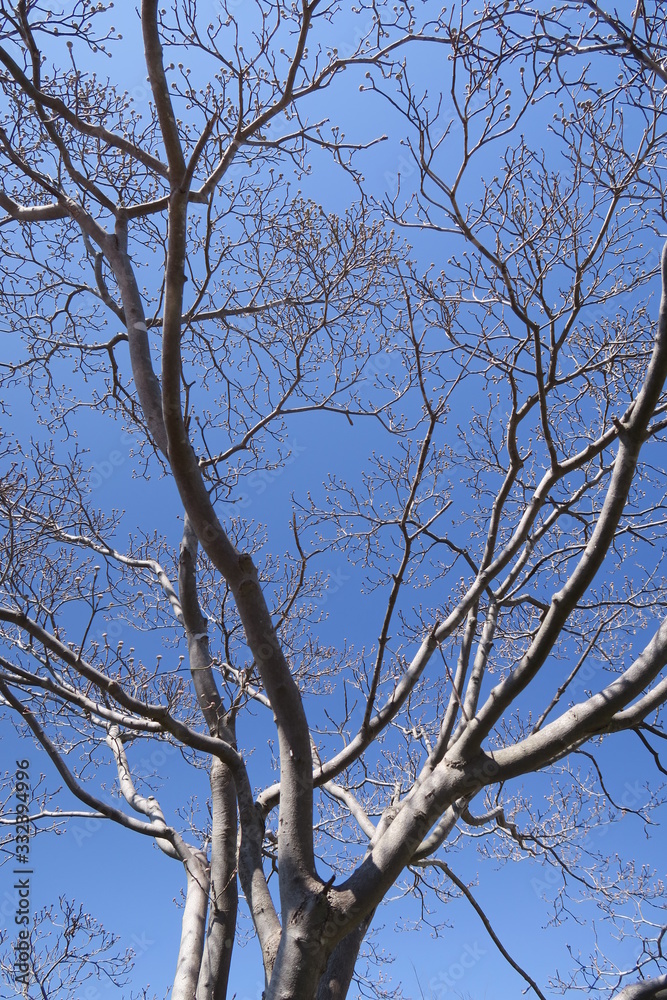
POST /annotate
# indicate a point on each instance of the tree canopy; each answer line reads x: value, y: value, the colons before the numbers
x: 362, y: 304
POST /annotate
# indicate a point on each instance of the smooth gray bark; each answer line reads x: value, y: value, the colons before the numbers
x: 223, y: 902
x: 193, y: 928
x: 315, y: 950
x: 295, y: 841
x: 651, y: 989
x: 335, y: 983
x: 302, y: 956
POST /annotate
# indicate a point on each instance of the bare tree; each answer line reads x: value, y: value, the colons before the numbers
x: 68, y: 951
x: 506, y: 531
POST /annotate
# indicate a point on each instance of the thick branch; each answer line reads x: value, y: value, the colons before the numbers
x: 215, y: 747
x: 335, y: 983
x: 31, y: 213
x: 295, y: 841
x: 191, y: 948
x: 631, y: 438
x: 153, y: 829
x: 224, y: 892
x: 586, y: 719
x: 223, y: 895
x: 196, y: 626
x: 650, y: 989
x: 146, y: 806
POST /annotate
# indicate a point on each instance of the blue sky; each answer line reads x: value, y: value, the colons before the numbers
x: 122, y: 878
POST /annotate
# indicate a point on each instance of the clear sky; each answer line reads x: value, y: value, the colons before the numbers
x: 122, y: 878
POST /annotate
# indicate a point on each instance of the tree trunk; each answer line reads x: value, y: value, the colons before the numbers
x: 193, y: 929
x: 300, y: 962
x: 223, y: 898
x: 335, y: 982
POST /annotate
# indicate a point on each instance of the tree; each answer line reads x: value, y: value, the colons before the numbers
x: 74, y: 949
x: 508, y: 525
